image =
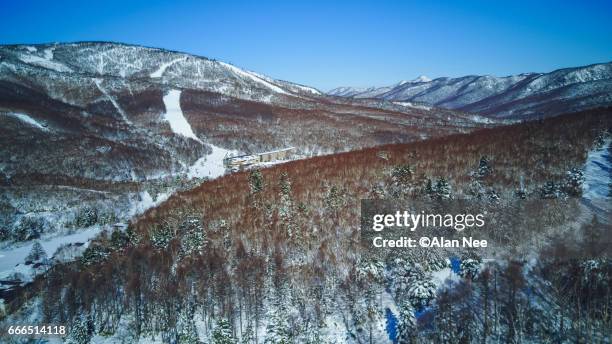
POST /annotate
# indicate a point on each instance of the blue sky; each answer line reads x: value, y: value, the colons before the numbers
x: 327, y: 44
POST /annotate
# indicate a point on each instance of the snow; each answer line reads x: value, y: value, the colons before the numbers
x: 307, y: 89
x: 253, y: 77
x: 421, y: 78
x: 146, y: 202
x: 480, y: 119
x: 49, y: 53
x: 98, y: 83
x: 174, y: 115
x: 440, y: 277
x: 159, y: 72
x: 597, y: 178
x: 210, y: 166
x: 414, y: 106
x: 29, y: 120
x: 45, y: 63
x: 12, y: 259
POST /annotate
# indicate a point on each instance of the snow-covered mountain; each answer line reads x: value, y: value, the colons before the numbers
x: 115, y: 128
x: 519, y: 96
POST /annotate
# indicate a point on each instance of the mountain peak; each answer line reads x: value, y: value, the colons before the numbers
x: 421, y: 78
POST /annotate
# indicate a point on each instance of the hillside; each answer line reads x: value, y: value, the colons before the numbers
x: 93, y: 133
x: 274, y: 253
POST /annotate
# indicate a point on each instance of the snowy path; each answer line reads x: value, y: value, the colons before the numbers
x: 98, y: 83
x: 598, y: 176
x: 159, y: 72
x: 174, y: 115
x: 28, y: 120
x: 210, y: 166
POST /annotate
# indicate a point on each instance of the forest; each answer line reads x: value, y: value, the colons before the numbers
x: 273, y: 256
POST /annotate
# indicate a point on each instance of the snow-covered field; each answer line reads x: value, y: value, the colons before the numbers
x: 12, y: 259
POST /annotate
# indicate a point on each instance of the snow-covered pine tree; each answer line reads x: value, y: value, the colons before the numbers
x: 248, y: 336
x: 186, y: 330
x: 333, y: 199
x: 574, y: 179
x: 222, y: 334
x: 256, y: 182
x: 484, y: 167
x: 550, y: 190
x: 94, y: 254
x: 118, y: 239
x: 407, y: 324
x: 37, y: 253
x: 28, y: 228
x: 312, y: 334
x: 86, y: 217
x: 430, y: 188
x: 469, y: 268
x: 421, y: 292
x: 443, y: 189
x: 193, y: 240
x: 401, y: 180
x: 79, y: 332
x: 277, y: 330
x: 160, y: 236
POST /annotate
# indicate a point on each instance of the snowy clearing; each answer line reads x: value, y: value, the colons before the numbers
x: 210, y: 166
x: 162, y: 68
x: 174, y: 115
x: 29, y: 120
x: 12, y: 260
x: 45, y: 63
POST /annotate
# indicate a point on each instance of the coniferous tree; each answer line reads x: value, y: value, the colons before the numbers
x: 421, y: 292
x: 118, y: 240
x: 469, y: 268
x: 256, y: 182
x: 401, y: 179
x: 194, y: 237
x: 222, y: 334
x: 248, y: 337
x: 407, y: 326
x: 37, y: 253
x: 443, y: 189
x: 187, y: 333
x: 550, y: 190
x: 574, y: 179
x: 79, y: 332
x: 484, y: 167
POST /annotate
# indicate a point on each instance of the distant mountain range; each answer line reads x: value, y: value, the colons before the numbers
x: 528, y: 95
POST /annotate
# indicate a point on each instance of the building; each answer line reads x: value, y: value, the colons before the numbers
x: 243, y: 161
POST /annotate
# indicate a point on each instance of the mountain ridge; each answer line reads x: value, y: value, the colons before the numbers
x: 520, y: 96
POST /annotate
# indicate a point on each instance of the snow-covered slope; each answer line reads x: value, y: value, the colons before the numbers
x: 114, y: 127
x: 521, y: 96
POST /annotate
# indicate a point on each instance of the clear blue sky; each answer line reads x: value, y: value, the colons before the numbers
x: 327, y: 44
